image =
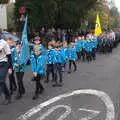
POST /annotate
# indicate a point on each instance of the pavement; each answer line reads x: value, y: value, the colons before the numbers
x: 91, y: 93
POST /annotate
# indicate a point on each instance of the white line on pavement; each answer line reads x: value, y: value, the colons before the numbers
x: 110, y: 115
x: 62, y: 117
x: 92, y: 115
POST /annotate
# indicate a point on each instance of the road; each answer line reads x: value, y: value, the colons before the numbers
x: 101, y: 77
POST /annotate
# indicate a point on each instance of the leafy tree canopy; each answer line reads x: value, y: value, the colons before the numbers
x: 59, y: 13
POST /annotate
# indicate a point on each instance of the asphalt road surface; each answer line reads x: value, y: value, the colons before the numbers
x: 91, y: 93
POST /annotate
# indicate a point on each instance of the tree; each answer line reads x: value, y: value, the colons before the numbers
x: 116, y: 15
x: 58, y: 13
x: 4, y: 1
x: 106, y: 17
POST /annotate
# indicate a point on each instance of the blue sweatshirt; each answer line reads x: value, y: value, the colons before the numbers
x: 50, y: 56
x: 60, y: 56
x: 17, y: 66
x: 37, y: 64
x: 72, y: 54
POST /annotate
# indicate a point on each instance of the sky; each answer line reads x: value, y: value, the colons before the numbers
x: 12, y: 1
x: 117, y: 3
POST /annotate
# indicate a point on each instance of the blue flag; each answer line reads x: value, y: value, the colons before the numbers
x: 25, y: 52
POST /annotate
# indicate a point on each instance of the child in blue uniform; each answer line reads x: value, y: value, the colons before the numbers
x: 60, y: 59
x: 72, y: 57
x: 80, y: 46
x: 77, y: 46
x: 88, y: 49
x: 37, y: 42
x: 50, y: 61
x: 84, y: 43
x: 38, y: 70
x: 19, y: 69
x: 94, y: 47
x: 66, y: 52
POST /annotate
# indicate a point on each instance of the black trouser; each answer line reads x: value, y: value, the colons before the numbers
x: 94, y: 53
x: 64, y: 65
x: 12, y: 82
x: 89, y: 56
x: 50, y: 69
x: 3, y: 74
x: 74, y: 64
x: 78, y: 55
x: 83, y: 54
x: 39, y: 86
x: 58, y: 72
x: 21, y: 88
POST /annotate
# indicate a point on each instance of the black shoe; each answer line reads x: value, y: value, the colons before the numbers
x: 7, y: 102
x: 46, y: 81
x: 19, y: 96
x: 11, y: 92
x: 75, y: 70
x: 69, y: 72
x: 54, y: 85
x: 60, y: 85
x: 14, y: 89
x: 41, y: 91
x: 52, y: 81
x: 35, y: 97
x: 23, y: 91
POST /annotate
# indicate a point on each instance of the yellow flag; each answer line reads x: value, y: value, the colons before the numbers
x: 98, y: 29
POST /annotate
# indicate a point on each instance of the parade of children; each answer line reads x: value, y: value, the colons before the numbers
x: 50, y: 62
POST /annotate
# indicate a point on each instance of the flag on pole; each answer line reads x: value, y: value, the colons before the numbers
x: 25, y: 52
x: 98, y: 29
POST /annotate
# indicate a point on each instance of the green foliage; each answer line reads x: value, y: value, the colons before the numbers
x: 109, y: 16
x: 58, y: 13
x: 116, y: 16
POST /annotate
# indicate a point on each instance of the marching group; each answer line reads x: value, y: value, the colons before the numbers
x: 44, y: 60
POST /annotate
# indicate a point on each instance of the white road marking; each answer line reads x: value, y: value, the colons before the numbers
x: 92, y: 115
x: 110, y: 115
x: 62, y: 117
